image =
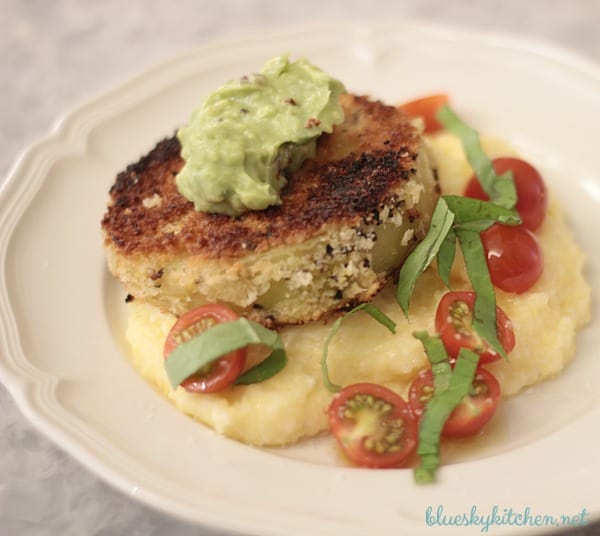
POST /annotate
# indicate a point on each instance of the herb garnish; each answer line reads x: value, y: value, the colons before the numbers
x: 369, y: 308
x: 436, y: 353
x: 500, y: 189
x: 450, y: 387
x: 422, y: 256
x: 190, y: 356
x: 467, y: 217
x: 463, y: 218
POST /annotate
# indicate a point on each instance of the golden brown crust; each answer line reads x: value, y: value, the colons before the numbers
x: 353, y: 174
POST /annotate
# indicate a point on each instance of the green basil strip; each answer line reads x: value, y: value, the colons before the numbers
x: 192, y: 355
x: 467, y: 210
x: 377, y: 314
x: 500, y: 189
x: 464, y: 213
x: 445, y: 257
x: 476, y: 226
x: 438, y: 357
x: 484, y: 309
x: 437, y: 411
x: 369, y: 308
x: 424, y: 253
x: 272, y: 364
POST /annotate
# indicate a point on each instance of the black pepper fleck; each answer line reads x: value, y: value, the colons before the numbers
x: 157, y: 275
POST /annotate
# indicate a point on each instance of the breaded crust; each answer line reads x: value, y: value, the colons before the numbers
x: 355, y: 171
x: 347, y: 220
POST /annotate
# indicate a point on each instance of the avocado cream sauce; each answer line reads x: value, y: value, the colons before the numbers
x: 247, y: 135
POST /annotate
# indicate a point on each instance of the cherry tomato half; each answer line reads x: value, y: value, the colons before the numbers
x: 513, y: 256
x: 453, y: 321
x: 426, y: 107
x: 474, y: 411
x: 220, y: 373
x: 373, y: 425
x: 531, y: 190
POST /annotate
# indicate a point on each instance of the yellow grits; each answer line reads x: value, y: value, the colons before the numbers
x: 292, y: 404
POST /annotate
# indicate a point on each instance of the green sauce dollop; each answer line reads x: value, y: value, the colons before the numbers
x: 244, y: 137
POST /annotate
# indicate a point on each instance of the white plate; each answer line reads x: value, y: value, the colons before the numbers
x: 62, y: 314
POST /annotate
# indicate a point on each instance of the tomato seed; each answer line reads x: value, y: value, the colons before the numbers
x: 461, y: 316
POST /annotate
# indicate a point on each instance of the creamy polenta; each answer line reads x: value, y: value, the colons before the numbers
x: 291, y: 405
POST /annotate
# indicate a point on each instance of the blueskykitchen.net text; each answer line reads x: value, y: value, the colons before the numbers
x: 498, y: 516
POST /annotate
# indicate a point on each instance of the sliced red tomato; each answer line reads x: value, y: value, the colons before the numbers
x: 373, y: 425
x: 474, y: 411
x: 220, y: 373
x: 513, y: 256
x: 420, y: 392
x: 453, y: 322
x: 427, y: 107
x: 531, y: 190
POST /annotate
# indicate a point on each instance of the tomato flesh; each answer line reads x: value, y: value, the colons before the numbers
x: 531, y: 190
x: 222, y: 372
x: 427, y: 108
x: 373, y: 425
x: 420, y: 392
x: 474, y: 411
x: 453, y: 322
x: 514, y: 257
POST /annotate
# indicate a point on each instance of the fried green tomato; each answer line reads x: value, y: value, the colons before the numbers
x: 348, y: 218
